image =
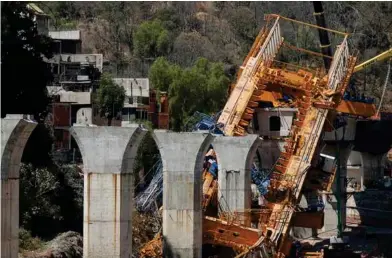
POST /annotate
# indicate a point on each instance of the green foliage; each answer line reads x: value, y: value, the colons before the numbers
x: 151, y: 39
x: 38, y: 189
x: 169, y: 18
x: 22, y: 49
x: 110, y: 97
x: 51, y: 200
x: 190, y: 88
x: 65, y: 24
x: 27, y: 242
x: 162, y: 74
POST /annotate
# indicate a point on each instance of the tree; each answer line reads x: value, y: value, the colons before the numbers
x: 202, y: 88
x: 24, y: 73
x: 51, y: 199
x: 151, y: 39
x: 110, y: 97
x: 162, y: 74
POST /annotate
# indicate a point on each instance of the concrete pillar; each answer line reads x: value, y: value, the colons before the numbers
x: 182, y: 157
x: 108, y: 156
x: 15, y: 131
x: 235, y: 157
x: 372, y: 167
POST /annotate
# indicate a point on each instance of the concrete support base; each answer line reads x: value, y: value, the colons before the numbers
x: 182, y: 157
x: 108, y: 156
x: 235, y: 158
x: 15, y: 131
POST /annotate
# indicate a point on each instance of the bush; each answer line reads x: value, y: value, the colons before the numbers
x: 27, y: 242
x: 51, y: 200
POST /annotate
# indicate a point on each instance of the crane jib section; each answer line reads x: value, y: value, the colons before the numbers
x: 247, y: 81
x: 310, y: 132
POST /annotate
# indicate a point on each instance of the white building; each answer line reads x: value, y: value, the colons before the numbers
x: 137, y: 98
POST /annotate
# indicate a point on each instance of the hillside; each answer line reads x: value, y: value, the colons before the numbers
x: 131, y: 35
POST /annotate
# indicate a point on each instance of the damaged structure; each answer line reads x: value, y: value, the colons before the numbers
x: 288, y: 130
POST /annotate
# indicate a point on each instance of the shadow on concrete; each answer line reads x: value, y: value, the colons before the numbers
x: 373, y: 208
x: 168, y: 251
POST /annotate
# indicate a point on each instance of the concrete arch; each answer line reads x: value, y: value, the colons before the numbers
x: 182, y: 157
x: 15, y: 131
x: 235, y: 155
x: 108, y: 155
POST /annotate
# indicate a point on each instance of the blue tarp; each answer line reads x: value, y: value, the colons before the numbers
x: 213, y: 169
x: 206, y: 123
x: 260, y: 179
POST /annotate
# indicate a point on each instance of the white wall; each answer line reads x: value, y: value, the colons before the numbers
x: 65, y: 34
x: 134, y: 88
x: 94, y: 59
x: 82, y: 98
x: 286, y: 120
x: 354, y: 159
x: 84, y: 116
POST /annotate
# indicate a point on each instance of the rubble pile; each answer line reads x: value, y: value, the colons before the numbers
x: 144, y: 228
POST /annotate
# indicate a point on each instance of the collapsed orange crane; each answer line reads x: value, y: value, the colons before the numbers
x: 260, y: 79
x: 263, y: 78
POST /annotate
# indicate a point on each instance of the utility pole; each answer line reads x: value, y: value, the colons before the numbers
x: 339, y: 196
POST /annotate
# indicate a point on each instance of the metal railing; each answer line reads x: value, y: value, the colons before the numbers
x: 339, y: 65
x: 272, y: 43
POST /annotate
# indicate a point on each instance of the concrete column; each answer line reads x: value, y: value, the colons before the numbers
x: 372, y: 166
x: 182, y: 157
x: 108, y: 156
x: 235, y: 157
x: 15, y: 131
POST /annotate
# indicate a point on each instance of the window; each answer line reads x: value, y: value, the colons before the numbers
x: 274, y: 122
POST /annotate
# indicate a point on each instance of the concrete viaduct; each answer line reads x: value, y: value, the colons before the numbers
x: 108, y: 155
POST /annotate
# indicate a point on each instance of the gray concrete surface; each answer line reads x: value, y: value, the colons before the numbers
x: 372, y: 166
x: 270, y: 151
x: 235, y: 158
x: 15, y: 131
x: 108, y: 155
x: 182, y: 157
